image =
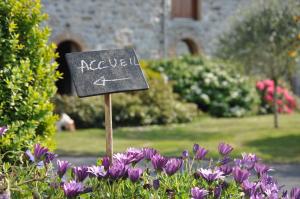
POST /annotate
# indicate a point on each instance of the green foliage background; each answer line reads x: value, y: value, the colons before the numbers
x: 27, y: 75
x: 158, y: 105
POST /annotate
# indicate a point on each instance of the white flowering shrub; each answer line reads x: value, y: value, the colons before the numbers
x: 213, y: 85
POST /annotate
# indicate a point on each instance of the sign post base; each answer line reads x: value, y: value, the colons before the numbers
x: 108, y: 126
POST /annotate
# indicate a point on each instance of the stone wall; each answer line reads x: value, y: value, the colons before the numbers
x: 96, y: 24
x: 216, y: 17
x: 145, y: 25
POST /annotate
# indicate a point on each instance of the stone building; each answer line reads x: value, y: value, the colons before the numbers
x: 155, y: 28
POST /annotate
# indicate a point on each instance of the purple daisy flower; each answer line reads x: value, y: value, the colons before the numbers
x: 248, y: 187
x: 50, y: 157
x: 97, y: 171
x: 218, y: 192
x: 80, y: 173
x: 267, y: 180
x: 158, y: 162
x: 248, y: 161
x: 3, y: 129
x: 149, y: 153
x: 295, y: 193
x: 117, y: 170
x: 261, y: 169
x: 29, y: 155
x: 185, y: 154
x: 131, y: 156
x: 62, y: 167
x: 285, y: 194
x: 106, y: 163
x: 226, y: 169
x: 201, y: 153
x: 240, y: 175
x: 39, y: 152
x: 198, y: 193
x: 224, y: 149
x: 156, y: 184
x: 195, y: 148
x: 271, y: 192
x: 121, y: 158
x: 210, y: 175
x: 225, y: 160
x: 172, y: 166
x: 134, y: 155
x: 268, y: 185
x: 73, y: 189
x: 134, y: 174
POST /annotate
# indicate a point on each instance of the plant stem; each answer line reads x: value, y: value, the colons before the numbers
x: 31, y: 180
x: 191, y: 165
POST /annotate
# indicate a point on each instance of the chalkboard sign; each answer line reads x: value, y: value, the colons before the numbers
x: 105, y: 71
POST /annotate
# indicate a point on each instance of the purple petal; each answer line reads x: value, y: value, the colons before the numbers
x: 3, y: 129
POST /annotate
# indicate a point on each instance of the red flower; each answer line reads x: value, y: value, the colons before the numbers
x: 286, y: 102
x: 268, y: 98
x: 269, y: 83
x: 270, y: 90
x: 280, y: 90
x: 279, y: 102
x: 260, y: 86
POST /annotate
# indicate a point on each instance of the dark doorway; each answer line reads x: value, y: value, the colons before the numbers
x: 187, y: 47
x: 64, y: 85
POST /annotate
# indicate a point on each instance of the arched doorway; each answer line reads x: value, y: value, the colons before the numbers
x: 64, y: 85
x: 186, y: 47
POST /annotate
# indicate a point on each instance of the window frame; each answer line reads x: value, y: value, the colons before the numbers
x: 196, y: 16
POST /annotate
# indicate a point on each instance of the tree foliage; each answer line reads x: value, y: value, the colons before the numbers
x: 27, y: 75
x: 265, y: 40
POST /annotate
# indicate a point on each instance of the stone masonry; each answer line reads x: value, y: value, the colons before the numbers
x: 145, y: 25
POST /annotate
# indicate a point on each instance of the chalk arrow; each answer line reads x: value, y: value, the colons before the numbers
x: 102, y: 81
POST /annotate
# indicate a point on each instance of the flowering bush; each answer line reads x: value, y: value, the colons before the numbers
x: 286, y: 103
x: 213, y: 85
x: 141, y: 173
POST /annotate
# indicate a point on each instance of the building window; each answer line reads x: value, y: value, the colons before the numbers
x: 186, y: 9
x: 64, y: 85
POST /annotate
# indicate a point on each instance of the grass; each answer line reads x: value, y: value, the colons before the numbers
x: 250, y: 134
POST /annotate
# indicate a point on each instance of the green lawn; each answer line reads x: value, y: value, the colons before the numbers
x: 251, y: 134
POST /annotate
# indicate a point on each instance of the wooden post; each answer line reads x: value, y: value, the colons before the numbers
x: 108, y: 126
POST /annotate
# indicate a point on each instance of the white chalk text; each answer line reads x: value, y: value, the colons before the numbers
x: 108, y: 63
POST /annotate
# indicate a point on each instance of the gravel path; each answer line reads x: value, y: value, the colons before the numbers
x: 287, y: 174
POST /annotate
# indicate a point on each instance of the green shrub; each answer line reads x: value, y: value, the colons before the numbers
x: 213, y: 85
x: 27, y: 76
x: 158, y: 105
